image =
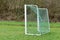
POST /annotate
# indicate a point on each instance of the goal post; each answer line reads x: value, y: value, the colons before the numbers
x: 36, y: 20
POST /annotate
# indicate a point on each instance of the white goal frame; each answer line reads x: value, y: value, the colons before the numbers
x: 26, y: 20
x: 25, y: 8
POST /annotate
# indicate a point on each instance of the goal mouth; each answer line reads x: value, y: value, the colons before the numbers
x: 36, y: 20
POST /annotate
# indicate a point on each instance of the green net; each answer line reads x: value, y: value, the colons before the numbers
x: 32, y: 20
x: 44, y: 26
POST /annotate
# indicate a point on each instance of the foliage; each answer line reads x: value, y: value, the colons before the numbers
x: 14, y: 9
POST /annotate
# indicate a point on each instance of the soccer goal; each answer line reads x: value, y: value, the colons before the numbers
x: 36, y: 20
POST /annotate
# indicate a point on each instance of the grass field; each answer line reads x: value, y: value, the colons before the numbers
x: 15, y: 31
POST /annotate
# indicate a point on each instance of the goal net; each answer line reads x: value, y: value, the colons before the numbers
x: 44, y: 26
x: 36, y: 20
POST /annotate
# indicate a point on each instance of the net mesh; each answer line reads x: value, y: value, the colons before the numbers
x: 43, y: 20
x: 32, y: 20
x: 37, y: 20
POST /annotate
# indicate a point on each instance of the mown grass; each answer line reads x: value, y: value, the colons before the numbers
x: 15, y: 31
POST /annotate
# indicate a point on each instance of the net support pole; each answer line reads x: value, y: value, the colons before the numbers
x: 25, y: 19
x: 48, y: 19
x: 38, y: 21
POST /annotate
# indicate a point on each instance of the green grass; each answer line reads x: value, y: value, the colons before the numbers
x: 15, y: 31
